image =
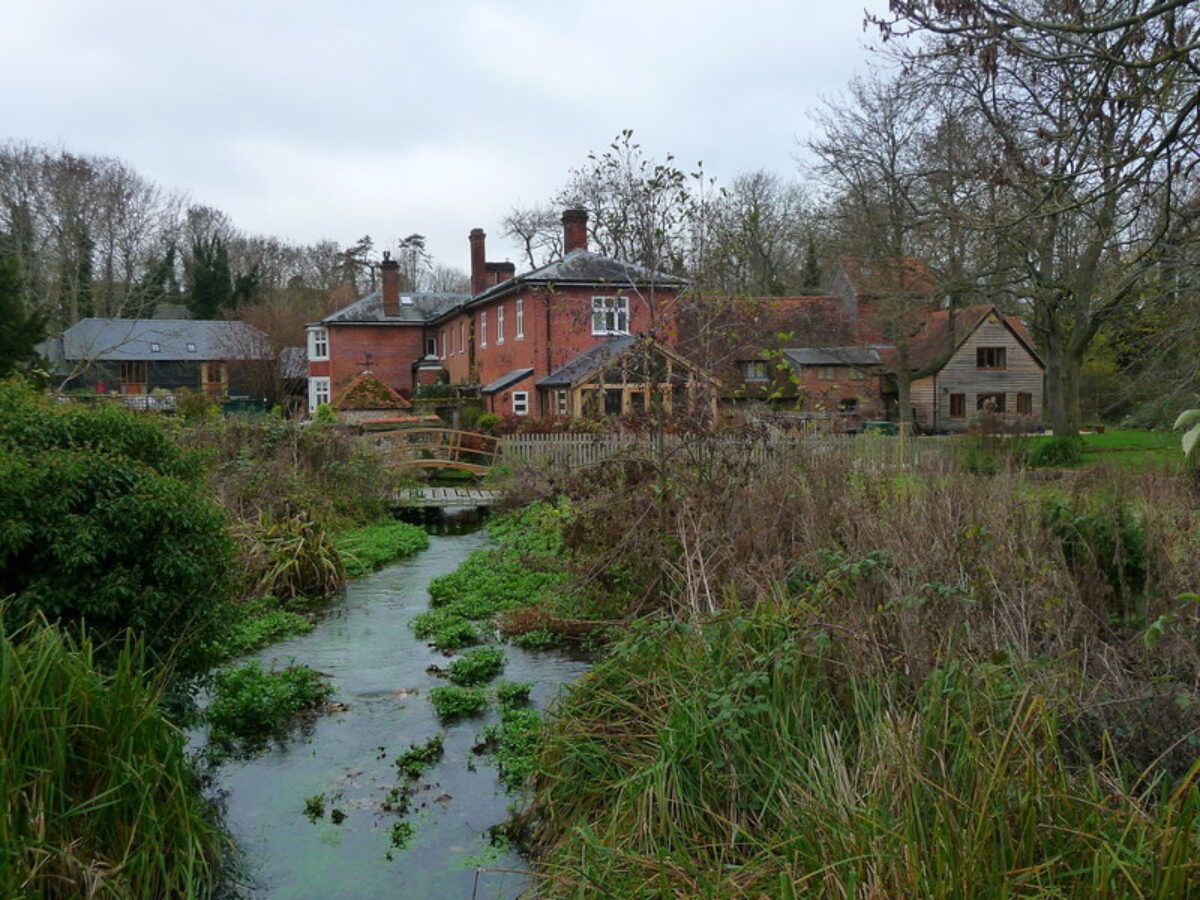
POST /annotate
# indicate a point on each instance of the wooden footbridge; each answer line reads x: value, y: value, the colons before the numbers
x: 440, y: 448
x: 444, y: 497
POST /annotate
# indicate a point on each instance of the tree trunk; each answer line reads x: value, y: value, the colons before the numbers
x: 1062, y: 393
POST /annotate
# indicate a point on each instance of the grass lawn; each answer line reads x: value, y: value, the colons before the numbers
x: 1128, y: 449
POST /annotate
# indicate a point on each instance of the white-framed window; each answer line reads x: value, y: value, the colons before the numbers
x: 462, y: 336
x: 483, y: 328
x: 318, y: 392
x: 520, y: 319
x: 318, y: 343
x: 191, y: 347
x: 155, y: 347
x: 499, y: 324
x: 610, y: 315
x: 561, y: 402
x: 520, y: 401
x: 445, y: 345
x: 431, y: 346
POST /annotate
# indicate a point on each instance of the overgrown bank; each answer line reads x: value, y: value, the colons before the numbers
x: 855, y: 684
x: 135, y: 553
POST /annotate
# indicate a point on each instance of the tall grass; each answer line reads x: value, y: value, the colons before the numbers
x: 871, y: 684
x: 740, y: 758
x: 99, y: 799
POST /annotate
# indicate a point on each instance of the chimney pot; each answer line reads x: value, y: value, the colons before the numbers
x: 574, y: 223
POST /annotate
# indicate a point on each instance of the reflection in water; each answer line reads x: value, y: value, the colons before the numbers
x: 378, y: 671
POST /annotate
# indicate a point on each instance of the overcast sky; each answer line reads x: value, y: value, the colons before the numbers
x: 333, y: 120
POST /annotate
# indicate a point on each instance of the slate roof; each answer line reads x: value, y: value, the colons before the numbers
x: 587, y: 362
x: 293, y: 362
x: 507, y: 380
x: 834, y: 356
x: 422, y: 307
x: 583, y: 267
x: 132, y: 339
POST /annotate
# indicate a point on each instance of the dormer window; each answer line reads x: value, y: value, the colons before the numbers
x: 610, y: 315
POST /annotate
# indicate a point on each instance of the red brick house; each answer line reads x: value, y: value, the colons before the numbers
x: 508, y: 335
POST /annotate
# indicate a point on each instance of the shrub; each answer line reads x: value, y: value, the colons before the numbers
x: 97, y: 796
x: 487, y: 422
x: 1055, y: 451
x: 374, y: 546
x: 452, y: 703
x: 477, y: 666
x: 250, y: 705
x: 196, y: 407
x: 103, y: 519
x: 325, y: 415
x: 289, y: 558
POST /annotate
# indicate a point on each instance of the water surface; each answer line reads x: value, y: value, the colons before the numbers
x: 378, y: 672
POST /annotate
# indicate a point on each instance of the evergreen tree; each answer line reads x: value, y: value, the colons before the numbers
x: 209, y: 278
x: 157, y: 285
x: 20, y: 329
x: 811, y: 277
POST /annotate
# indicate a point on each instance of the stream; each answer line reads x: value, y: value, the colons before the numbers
x: 378, y: 671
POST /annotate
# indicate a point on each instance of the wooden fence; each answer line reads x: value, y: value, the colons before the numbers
x: 874, y: 451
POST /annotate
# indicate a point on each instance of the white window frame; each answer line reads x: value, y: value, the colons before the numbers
x: 500, y: 324
x: 431, y: 345
x: 483, y: 328
x: 462, y: 337
x: 318, y: 392
x: 520, y: 403
x: 610, y: 315
x: 520, y: 319
x: 318, y: 343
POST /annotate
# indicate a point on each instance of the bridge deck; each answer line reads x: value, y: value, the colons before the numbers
x: 444, y: 496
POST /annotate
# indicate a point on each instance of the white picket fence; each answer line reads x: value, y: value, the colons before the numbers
x: 873, y: 451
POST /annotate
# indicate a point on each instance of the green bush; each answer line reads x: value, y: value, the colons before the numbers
x: 1055, y: 451
x: 477, y: 666
x: 374, y: 546
x: 1104, y: 543
x: 325, y: 415
x: 97, y: 795
x: 104, y: 519
x: 452, y: 703
x: 250, y: 705
x: 195, y: 407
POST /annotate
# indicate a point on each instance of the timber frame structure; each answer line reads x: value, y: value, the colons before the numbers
x: 628, y: 376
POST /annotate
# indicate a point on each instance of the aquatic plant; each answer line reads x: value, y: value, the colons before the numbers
x: 513, y: 693
x: 452, y: 702
x: 249, y: 704
x: 413, y: 762
x: 477, y: 666
x: 374, y: 546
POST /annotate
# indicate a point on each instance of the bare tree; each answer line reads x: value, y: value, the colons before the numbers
x: 1093, y: 108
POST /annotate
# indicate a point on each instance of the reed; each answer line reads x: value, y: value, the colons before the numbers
x: 99, y: 797
x: 737, y: 758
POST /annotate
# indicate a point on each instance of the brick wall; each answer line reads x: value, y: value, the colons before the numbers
x: 393, y: 349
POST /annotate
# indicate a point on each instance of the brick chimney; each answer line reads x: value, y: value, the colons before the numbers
x: 574, y: 229
x: 500, y: 272
x: 479, y: 275
x: 389, y: 276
